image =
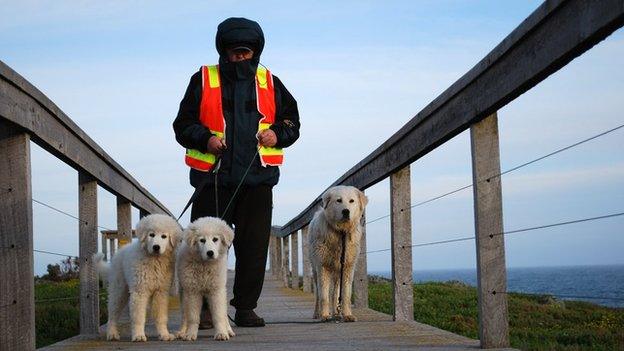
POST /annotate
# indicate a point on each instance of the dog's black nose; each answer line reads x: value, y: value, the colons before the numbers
x: 210, y: 253
x: 156, y: 247
x: 345, y: 213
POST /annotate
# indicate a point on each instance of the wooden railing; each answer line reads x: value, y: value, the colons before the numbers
x: 28, y: 115
x: 552, y: 36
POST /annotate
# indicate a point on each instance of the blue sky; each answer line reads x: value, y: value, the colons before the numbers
x: 359, y: 71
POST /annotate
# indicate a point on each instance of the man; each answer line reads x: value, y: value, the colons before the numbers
x: 234, y: 120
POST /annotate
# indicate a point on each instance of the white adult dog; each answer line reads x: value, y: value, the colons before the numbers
x: 138, y: 271
x: 201, y: 268
x: 338, y: 219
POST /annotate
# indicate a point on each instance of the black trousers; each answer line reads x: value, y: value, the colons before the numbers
x: 250, y: 214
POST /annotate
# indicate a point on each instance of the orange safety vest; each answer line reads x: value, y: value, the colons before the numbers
x: 211, y: 116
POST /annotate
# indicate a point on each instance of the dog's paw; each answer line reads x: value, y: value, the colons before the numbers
x: 166, y: 337
x: 326, y: 317
x: 222, y: 336
x: 349, y: 318
x: 112, y: 335
x: 315, y: 315
x: 180, y: 333
x: 139, y: 337
x: 189, y: 336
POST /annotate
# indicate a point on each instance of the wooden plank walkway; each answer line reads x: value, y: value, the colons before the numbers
x: 288, y: 313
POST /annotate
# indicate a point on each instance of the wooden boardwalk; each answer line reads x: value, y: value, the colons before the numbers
x: 288, y: 313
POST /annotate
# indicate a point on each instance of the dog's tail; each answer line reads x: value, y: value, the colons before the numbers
x: 101, y: 265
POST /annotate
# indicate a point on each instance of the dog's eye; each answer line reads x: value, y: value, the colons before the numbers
x: 202, y: 240
x: 152, y: 235
x: 339, y: 200
x: 351, y: 201
x: 163, y: 236
x: 214, y: 240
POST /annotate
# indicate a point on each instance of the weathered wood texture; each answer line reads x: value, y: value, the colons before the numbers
x: 488, y: 209
x: 360, y: 278
x: 87, y: 246
x: 294, y: 252
x: 401, y: 237
x: 285, y: 260
x: 17, y: 296
x: 124, y: 221
x: 278, y: 256
x: 104, y: 246
x: 113, y: 247
x: 552, y: 36
x: 305, y: 261
x: 26, y: 106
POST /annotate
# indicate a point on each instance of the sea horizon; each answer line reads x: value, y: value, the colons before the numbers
x: 599, y: 284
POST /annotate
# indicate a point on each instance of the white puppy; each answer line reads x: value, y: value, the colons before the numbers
x: 138, y: 271
x: 201, y: 268
x: 339, y: 218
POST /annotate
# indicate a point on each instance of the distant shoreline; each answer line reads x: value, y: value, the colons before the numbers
x: 598, y: 284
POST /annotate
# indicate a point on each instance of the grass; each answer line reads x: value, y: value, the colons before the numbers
x: 537, y: 322
x: 59, y: 320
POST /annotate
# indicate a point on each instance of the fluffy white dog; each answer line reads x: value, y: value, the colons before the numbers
x: 139, y: 271
x: 338, y: 219
x: 201, y: 268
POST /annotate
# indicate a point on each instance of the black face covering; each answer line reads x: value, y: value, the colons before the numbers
x: 241, y: 70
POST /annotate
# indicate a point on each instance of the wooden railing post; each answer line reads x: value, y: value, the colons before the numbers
x: 307, y: 266
x: 285, y: 259
x: 488, y: 209
x: 294, y: 252
x: 401, y: 234
x: 17, y: 297
x: 124, y: 221
x: 360, y: 279
x: 87, y: 246
x: 271, y: 254
x: 277, y: 242
x: 113, y: 246
x: 104, y: 243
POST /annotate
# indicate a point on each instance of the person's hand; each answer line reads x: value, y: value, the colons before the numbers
x: 216, y: 145
x: 267, y: 138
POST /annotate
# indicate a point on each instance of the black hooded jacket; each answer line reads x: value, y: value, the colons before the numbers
x: 239, y: 110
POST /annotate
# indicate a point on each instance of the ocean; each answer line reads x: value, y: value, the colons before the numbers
x: 602, y: 285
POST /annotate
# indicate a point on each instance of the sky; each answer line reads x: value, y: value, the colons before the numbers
x: 359, y: 71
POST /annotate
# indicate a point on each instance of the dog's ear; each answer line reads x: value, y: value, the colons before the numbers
x: 190, y: 235
x: 363, y: 200
x: 173, y: 237
x: 326, y: 198
x: 227, y: 234
x: 141, y: 232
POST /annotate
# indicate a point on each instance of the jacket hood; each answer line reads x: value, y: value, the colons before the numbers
x: 239, y: 30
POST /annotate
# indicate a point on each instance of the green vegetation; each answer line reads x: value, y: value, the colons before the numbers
x: 537, y: 322
x: 57, y: 310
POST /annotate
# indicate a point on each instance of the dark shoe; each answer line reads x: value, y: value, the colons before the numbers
x: 205, y: 319
x: 248, y: 318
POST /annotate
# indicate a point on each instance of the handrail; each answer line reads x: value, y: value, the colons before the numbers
x: 553, y: 35
x: 26, y: 106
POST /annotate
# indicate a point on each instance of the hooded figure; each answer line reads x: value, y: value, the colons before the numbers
x: 249, y: 208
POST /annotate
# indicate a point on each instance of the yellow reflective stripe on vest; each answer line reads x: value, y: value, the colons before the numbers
x: 270, y: 151
x: 198, y: 155
x: 218, y: 134
x: 213, y: 74
x: 263, y: 126
x: 261, y: 75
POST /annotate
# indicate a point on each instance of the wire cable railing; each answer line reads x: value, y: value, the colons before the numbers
x: 515, y: 231
x: 571, y: 146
